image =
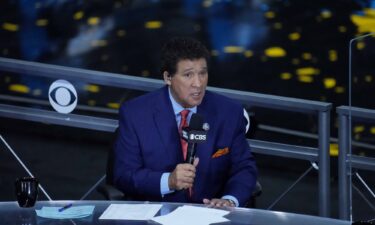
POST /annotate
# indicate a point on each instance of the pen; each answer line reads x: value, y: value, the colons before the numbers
x: 65, y: 207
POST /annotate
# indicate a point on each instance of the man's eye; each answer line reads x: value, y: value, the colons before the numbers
x: 188, y: 74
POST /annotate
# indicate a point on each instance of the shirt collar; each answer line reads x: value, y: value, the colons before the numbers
x: 177, y: 108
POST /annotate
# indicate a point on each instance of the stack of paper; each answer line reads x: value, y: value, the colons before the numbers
x: 70, y: 213
x: 130, y: 211
x: 187, y: 215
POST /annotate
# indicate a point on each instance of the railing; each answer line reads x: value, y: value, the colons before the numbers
x: 319, y: 154
x: 346, y: 161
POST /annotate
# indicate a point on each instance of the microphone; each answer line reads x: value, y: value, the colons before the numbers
x: 195, y: 133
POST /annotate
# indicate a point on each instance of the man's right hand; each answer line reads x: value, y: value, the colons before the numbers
x: 183, y: 176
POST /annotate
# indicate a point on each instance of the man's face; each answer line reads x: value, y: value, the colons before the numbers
x: 188, y: 84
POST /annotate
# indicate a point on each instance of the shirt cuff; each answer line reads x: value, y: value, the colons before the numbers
x: 164, y: 187
x: 230, y: 197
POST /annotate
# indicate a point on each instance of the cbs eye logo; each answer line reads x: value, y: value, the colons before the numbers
x: 62, y: 96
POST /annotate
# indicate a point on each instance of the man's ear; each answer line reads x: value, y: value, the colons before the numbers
x: 167, y: 78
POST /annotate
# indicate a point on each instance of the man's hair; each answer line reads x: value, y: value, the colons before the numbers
x: 181, y: 48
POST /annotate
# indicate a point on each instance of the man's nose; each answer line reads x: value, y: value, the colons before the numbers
x: 197, y: 82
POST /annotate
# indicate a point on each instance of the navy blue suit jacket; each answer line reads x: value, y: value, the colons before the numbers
x: 148, y: 144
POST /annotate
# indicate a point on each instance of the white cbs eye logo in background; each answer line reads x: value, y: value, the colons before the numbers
x: 62, y: 96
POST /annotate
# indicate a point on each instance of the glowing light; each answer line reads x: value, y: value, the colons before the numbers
x: 339, y: 90
x: 10, y: 27
x: 270, y: 15
x: 294, y: 36
x: 41, y: 22
x: 113, y: 105
x: 359, y: 129
x: 333, y: 149
x: 153, y: 24
x: 121, y: 33
x: 277, y: 25
x: 93, y: 21
x: 305, y: 79
x: 275, y: 52
x: 99, y: 43
x: 360, y: 45
x: 306, y: 56
x: 364, y: 23
x: 329, y: 83
x: 20, y: 88
x: 342, y: 29
x: 372, y: 130
x: 78, y: 15
x: 92, y: 88
x: 233, y: 49
x: 285, y: 76
x: 248, y: 53
x: 326, y: 14
x: 307, y: 71
x: 332, y: 55
x: 368, y: 78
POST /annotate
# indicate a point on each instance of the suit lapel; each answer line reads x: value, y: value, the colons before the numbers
x: 165, y: 122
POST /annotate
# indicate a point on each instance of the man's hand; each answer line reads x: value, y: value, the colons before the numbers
x: 183, y: 176
x: 218, y: 203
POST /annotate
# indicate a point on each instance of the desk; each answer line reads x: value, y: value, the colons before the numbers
x: 11, y: 213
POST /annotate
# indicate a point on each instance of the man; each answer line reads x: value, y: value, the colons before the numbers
x: 149, y: 155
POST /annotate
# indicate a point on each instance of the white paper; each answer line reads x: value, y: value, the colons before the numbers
x: 187, y: 215
x: 70, y: 213
x: 130, y: 211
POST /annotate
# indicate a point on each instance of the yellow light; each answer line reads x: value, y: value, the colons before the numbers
x: 369, y: 12
x: 145, y: 73
x: 113, y: 105
x: 361, y: 45
x: 326, y: 14
x: 99, y: 43
x: 332, y: 55
x: 372, y: 130
x: 306, y: 56
x: 233, y: 49
x: 153, y: 24
x: 333, y: 149
x: 275, y: 52
x: 10, y: 27
x: 285, y: 76
x: 20, y: 88
x: 294, y: 36
x: 93, y: 21
x: 368, y: 78
x: 306, y: 79
x: 329, y: 82
x: 270, y: 15
x: 359, y: 129
x: 307, y: 71
x: 42, y: 22
x: 342, y: 29
x: 78, y: 15
x: 339, y: 90
x: 92, y: 88
x: 248, y: 53
x: 277, y: 25
x: 364, y: 23
x: 91, y: 102
x: 295, y: 61
x: 121, y: 33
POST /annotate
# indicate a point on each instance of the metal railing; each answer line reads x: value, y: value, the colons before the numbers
x: 346, y: 161
x: 320, y: 154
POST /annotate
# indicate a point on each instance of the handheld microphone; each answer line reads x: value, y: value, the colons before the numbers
x: 193, y: 135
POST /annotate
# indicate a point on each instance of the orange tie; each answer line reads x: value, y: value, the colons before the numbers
x: 183, y: 123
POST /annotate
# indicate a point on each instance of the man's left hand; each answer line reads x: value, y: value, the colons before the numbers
x: 218, y: 202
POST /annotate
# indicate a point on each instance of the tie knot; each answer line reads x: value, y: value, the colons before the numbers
x: 184, y: 113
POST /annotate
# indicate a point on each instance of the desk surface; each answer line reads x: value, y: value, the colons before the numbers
x: 11, y: 213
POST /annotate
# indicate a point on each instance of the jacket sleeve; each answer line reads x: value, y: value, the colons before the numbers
x: 243, y: 172
x: 130, y: 175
